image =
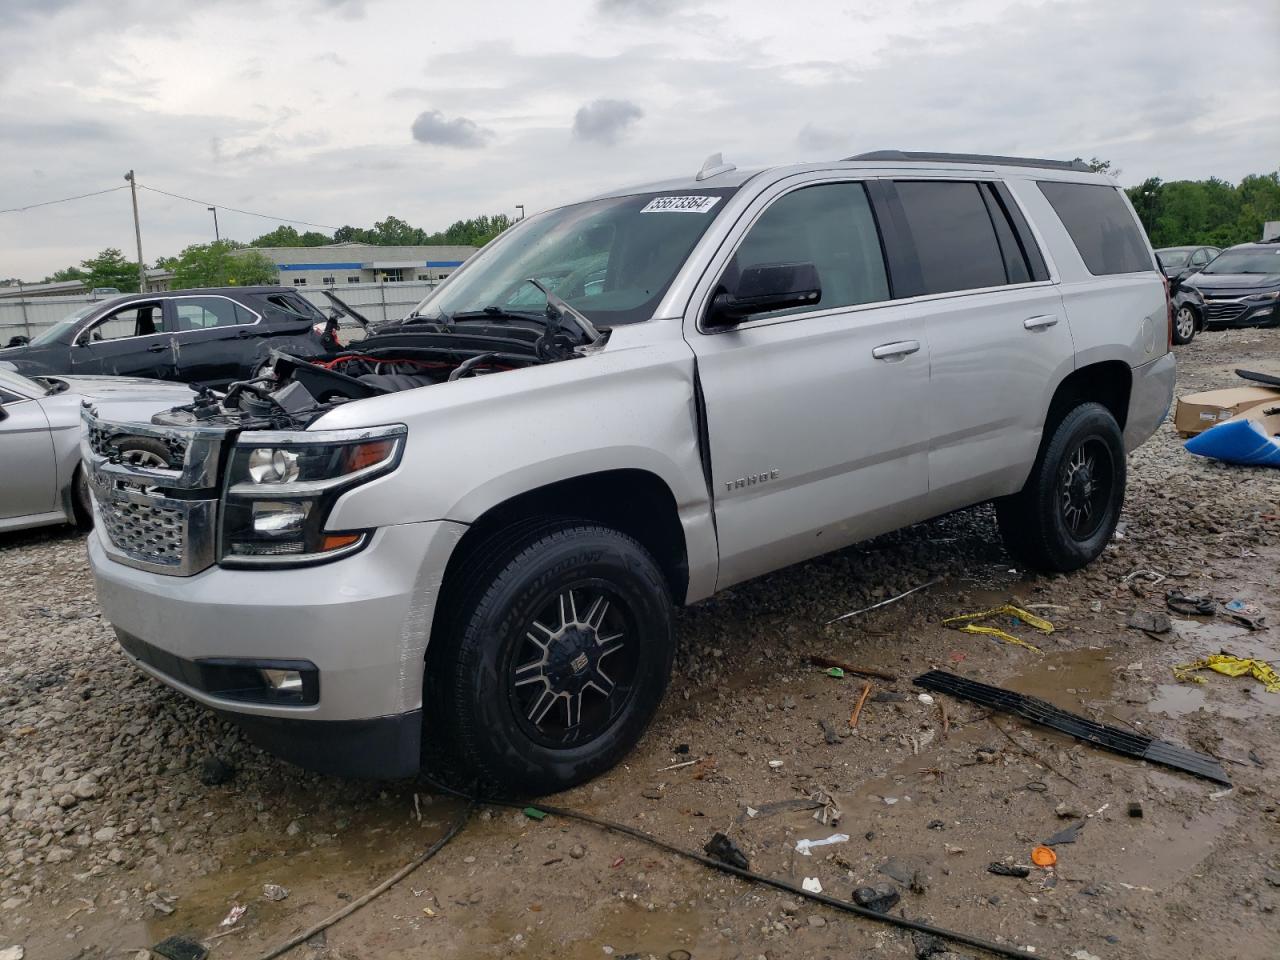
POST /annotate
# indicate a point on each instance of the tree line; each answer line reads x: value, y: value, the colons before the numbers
x: 218, y: 264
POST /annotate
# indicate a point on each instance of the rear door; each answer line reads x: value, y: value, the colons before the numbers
x: 129, y: 341
x: 214, y: 336
x: 998, y: 338
x: 28, y: 478
x: 816, y: 429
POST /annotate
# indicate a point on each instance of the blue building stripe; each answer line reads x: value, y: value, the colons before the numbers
x: 321, y: 266
x: 443, y: 263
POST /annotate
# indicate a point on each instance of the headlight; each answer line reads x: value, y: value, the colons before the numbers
x: 281, y: 487
x: 1263, y: 297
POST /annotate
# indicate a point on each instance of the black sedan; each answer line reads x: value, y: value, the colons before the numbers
x: 1184, y: 261
x: 209, y: 336
x: 1241, y: 287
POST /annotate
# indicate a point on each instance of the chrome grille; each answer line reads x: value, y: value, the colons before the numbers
x: 149, y: 533
x: 104, y: 438
x: 1224, y: 309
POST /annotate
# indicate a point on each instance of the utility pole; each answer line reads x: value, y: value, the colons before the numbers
x: 217, y: 238
x: 137, y: 232
x: 520, y: 207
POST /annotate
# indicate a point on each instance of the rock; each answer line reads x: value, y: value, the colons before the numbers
x: 215, y: 771
x: 937, y: 825
x: 1149, y: 622
x: 104, y: 834
x: 67, y: 801
x: 651, y: 793
x: 116, y: 855
x: 58, y: 855
x: 293, y: 829
x: 897, y: 870
x: 180, y: 948
x: 274, y: 892
x: 15, y: 952
x: 577, y: 851
x: 816, y: 921
x: 881, y: 898
x: 87, y: 788
x: 1068, y: 811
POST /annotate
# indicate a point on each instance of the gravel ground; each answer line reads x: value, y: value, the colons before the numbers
x: 114, y: 835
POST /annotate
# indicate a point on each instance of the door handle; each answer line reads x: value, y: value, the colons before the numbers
x: 157, y: 348
x: 1040, y: 323
x: 890, y: 351
x: 243, y: 334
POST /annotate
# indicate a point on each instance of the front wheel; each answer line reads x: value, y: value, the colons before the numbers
x: 1184, y: 325
x: 81, y: 503
x: 556, y: 661
x: 1066, y: 512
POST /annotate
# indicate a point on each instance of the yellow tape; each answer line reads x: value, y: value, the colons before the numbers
x: 1230, y: 666
x: 967, y: 623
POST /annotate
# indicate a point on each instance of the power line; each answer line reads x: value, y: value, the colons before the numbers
x: 248, y: 213
x: 46, y: 203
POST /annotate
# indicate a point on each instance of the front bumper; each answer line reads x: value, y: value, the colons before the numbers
x: 1220, y: 313
x: 363, y: 621
x: 1150, y: 398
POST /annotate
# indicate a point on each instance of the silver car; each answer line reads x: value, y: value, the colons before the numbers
x: 41, y: 480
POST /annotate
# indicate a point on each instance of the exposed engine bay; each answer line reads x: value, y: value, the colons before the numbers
x: 290, y: 392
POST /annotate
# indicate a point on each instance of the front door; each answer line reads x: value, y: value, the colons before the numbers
x: 130, y: 341
x: 28, y: 477
x: 817, y: 426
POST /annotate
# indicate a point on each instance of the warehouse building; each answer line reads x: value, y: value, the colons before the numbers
x: 337, y: 264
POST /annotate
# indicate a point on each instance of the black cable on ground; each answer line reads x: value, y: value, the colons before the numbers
x: 834, y: 902
x: 385, y: 885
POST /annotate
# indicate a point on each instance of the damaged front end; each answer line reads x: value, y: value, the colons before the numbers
x: 239, y: 480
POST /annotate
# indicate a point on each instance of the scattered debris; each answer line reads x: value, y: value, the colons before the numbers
x: 215, y: 771
x: 1069, y: 835
x: 274, y: 892
x: 837, y: 672
x: 881, y: 898
x: 1151, y: 576
x: 1135, y: 810
x: 180, y: 948
x: 969, y: 623
x: 1046, y: 714
x: 1043, y: 856
x: 1083, y: 954
x: 850, y: 668
x: 857, y: 710
x: 897, y: 870
x: 726, y: 851
x: 1219, y: 794
x: 775, y: 764
x: 829, y: 732
x: 778, y: 806
x: 1068, y: 811
x: 1246, y: 614
x: 884, y: 603
x: 812, y: 884
x: 533, y: 813
x: 677, y: 766
x: 16, y: 952
x: 1231, y: 666
x: 952, y: 850
x: 1008, y: 870
x: 233, y: 916
x: 925, y: 699
x: 1179, y: 602
x: 804, y: 846
x: 1149, y: 621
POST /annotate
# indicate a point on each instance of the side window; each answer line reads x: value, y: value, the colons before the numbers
x: 829, y: 225
x: 205, y: 313
x: 290, y: 306
x: 1200, y: 258
x: 7, y: 397
x: 135, y: 320
x: 1101, y: 226
x: 955, y: 240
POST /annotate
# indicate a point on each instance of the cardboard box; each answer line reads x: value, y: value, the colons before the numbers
x: 1197, y: 412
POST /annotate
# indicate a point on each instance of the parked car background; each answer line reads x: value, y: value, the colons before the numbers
x: 1241, y: 287
x: 211, y: 336
x: 41, y: 480
x: 1185, y: 260
x: 1188, y: 312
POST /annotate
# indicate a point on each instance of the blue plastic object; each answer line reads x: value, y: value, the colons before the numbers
x: 1244, y: 441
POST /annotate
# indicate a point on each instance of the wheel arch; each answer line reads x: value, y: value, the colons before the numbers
x: 1108, y: 382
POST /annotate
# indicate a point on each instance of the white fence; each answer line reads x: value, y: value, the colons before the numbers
x: 30, y: 316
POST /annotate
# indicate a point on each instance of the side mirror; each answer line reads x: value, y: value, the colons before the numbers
x: 18, y: 341
x: 4, y: 414
x: 767, y: 287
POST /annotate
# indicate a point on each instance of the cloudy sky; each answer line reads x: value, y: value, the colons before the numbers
x: 344, y: 111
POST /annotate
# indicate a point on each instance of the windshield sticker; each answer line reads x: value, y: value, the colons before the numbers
x: 680, y: 204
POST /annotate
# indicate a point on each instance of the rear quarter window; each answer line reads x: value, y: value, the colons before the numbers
x: 1104, y: 231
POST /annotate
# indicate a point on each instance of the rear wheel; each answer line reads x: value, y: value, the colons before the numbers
x: 554, y: 663
x: 1066, y: 512
x: 1184, y: 325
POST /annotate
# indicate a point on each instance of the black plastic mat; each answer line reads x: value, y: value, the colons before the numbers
x: 1046, y: 714
x: 1256, y: 377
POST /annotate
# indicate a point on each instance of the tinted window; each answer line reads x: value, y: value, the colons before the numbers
x: 1101, y: 226
x: 135, y: 320
x: 205, y: 313
x: 830, y: 226
x: 954, y: 238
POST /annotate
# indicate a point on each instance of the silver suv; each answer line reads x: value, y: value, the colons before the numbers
x: 459, y: 544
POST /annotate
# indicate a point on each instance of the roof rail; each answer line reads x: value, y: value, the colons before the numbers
x: 914, y: 156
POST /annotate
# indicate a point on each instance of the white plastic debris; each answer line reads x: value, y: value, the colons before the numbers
x: 812, y: 884
x: 752, y: 812
x: 804, y: 846
x: 925, y: 698
x: 232, y: 918
x: 775, y: 764
x: 1219, y: 794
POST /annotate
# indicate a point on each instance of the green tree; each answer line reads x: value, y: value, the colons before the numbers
x: 221, y: 264
x: 67, y: 273
x: 110, y: 269
x: 286, y: 236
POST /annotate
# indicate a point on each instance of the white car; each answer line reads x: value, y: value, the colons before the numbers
x: 41, y: 480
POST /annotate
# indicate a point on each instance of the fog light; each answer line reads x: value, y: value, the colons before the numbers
x: 285, y: 681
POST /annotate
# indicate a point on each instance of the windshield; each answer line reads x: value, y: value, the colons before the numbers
x: 21, y: 384
x: 1173, y: 258
x: 1246, y: 261
x: 610, y: 259
x: 63, y: 325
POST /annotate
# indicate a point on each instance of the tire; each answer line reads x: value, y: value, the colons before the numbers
x: 81, y: 501
x: 1066, y: 513
x: 1184, y: 325
x: 553, y: 662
